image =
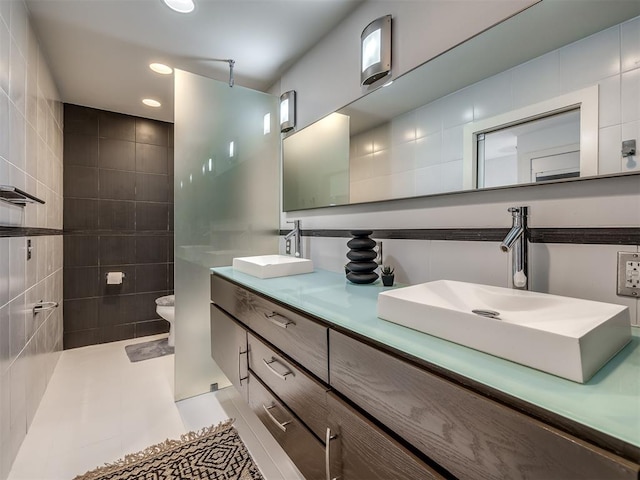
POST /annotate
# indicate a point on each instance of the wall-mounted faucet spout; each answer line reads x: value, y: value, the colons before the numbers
x: 517, y: 241
x: 512, y: 237
x: 297, y: 233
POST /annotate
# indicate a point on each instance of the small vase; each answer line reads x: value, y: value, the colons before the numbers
x: 387, y: 280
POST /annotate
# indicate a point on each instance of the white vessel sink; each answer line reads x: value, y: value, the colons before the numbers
x: 568, y: 337
x: 270, y: 266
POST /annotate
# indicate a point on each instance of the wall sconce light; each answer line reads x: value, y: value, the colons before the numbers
x: 266, y: 124
x: 375, y: 50
x: 287, y: 111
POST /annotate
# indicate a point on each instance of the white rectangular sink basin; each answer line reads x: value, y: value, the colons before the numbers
x: 270, y: 266
x: 568, y: 337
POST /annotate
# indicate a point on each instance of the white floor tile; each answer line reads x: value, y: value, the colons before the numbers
x: 99, y: 407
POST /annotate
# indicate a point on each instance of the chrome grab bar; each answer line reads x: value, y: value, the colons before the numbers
x: 43, y: 306
x: 275, y: 319
x: 282, y: 426
x: 283, y: 376
x: 327, y: 454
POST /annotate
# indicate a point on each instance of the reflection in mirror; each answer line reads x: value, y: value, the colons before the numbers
x: 409, y: 139
x: 550, y: 140
x: 535, y: 151
x: 316, y: 165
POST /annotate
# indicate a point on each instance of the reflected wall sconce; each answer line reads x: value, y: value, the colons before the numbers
x: 266, y: 124
x: 375, y: 50
x: 287, y: 111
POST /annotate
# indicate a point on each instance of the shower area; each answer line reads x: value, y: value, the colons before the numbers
x: 226, y: 194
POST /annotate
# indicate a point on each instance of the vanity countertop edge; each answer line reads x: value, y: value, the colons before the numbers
x: 605, y: 410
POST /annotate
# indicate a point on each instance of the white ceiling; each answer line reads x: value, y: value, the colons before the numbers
x: 99, y: 50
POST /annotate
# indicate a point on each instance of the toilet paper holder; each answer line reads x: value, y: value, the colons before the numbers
x: 115, y: 278
x: 106, y: 275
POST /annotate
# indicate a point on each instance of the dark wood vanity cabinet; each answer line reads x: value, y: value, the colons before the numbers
x: 229, y: 349
x: 468, y: 434
x: 358, y: 450
x: 306, y: 451
x: 303, y: 339
x: 302, y: 393
x: 345, y: 409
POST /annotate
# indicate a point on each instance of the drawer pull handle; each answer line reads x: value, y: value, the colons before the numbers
x: 240, y: 353
x: 282, y: 426
x: 283, y: 376
x: 279, y: 320
x: 327, y: 454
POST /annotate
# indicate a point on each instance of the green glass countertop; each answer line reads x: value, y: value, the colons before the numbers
x: 609, y: 402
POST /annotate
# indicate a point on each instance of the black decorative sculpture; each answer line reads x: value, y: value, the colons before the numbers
x: 362, y: 258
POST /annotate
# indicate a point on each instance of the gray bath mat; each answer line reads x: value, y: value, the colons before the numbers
x: 147, y: 350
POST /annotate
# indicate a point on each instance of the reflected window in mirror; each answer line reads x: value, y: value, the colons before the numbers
x: 534, y: 151
x: 551, y: 140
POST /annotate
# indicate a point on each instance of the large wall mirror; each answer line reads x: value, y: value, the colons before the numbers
x: 545, y: 96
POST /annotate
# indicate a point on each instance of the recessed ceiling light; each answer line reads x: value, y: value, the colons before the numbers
x: 161, y: 68
x: 150, y: 102
x: 181, y: 6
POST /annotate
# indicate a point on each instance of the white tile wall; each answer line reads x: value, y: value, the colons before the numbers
x: 536, y: 80
x: 631, y: 95
x: 610, y: 59
x: 589, y: 60
x: 630, y: 45
x: 610, y: 138
x: 581, y: 271
x: 460, y: 261
x: 31, y: 159
x: 612, y: 202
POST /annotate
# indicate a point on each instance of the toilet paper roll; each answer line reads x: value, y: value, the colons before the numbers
x: 114, y: 278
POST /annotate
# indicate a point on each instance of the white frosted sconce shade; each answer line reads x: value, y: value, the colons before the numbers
x: 266, y: 124
x: 375, y: 50
x: 288, y: 111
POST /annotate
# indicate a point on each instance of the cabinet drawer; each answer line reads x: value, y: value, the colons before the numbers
x: 302, y: 447
x: 229, y: 348
x: 299, y: 337
x: 468, y: 434
x: 301, y: 393
x: 230, y: 298
x: 366, y: 452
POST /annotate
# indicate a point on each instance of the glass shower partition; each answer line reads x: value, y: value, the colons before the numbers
x: 227, y: 151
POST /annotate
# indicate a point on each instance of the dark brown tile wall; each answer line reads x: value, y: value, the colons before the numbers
x: 118, y: 206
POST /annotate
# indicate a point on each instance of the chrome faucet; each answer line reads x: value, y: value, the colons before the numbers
x: 297, y: 233
x: 517, y: 241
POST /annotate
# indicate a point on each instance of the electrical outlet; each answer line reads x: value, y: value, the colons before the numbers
x: 632, y: 275
x: 287, y: 247
x: 629, y: 274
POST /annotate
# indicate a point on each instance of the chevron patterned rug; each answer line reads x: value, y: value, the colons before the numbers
x: 214, y: 453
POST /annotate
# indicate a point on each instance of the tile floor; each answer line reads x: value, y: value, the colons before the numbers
x: 99, y: 407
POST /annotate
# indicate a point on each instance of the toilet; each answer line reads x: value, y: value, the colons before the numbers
x: 165, y: 307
